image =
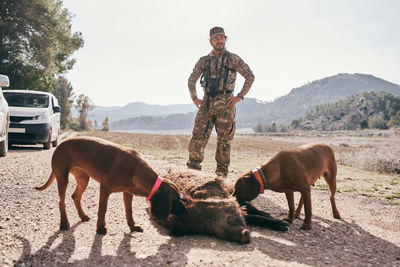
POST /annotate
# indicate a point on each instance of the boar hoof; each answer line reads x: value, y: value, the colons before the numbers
x: 245, y: 236
x: 283, y: 228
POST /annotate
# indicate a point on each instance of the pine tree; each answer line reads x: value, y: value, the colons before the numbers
x: 62, y: 89
x: 83, y: 105
x: 105, y: 125
x: 36, y: 42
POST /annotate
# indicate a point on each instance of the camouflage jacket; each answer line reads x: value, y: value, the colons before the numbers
x: 232, y: 61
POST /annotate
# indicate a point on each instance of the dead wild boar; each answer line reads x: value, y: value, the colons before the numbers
x: 212, y: 210
x: 222, y: 218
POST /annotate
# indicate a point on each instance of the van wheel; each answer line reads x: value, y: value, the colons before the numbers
x: 4, y: 147
x: 55, y: 142
x: 47, y: 145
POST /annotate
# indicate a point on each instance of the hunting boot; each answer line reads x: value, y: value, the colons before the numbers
x: 221, y: 172
x: 193, y: 165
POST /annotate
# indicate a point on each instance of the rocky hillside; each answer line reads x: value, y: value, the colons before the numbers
x: 367, y: 110
x: 327, y: 90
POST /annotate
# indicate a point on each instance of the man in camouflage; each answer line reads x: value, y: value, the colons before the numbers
x: 218, y: 70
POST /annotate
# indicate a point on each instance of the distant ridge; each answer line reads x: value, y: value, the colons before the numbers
x: 330, y: 89
x: 136, y: 109
x: 247, y: 112
x: 251, y: 111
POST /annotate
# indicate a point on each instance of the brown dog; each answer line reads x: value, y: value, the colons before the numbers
x: 289, y: 171
x: 117, y: 169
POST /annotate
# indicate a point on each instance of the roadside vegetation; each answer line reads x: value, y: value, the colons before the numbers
x: 36, y: 49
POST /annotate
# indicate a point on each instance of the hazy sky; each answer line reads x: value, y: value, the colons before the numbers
x: 146, y: 50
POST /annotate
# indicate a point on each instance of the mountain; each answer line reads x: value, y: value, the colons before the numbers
x: 136, y: 109
x: 251, y: 111
x: 367, y: 110
x: 301, y: 99
x: 156, y: 123
x: 248, y: 112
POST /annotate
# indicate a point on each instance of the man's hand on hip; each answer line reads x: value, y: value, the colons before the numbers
x: 232, y: 101
x: 197, y: 102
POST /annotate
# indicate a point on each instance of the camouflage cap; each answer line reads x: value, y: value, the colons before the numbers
x: 217, y: 30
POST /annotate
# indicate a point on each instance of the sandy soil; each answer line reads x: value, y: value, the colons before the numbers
x: 368, y: 234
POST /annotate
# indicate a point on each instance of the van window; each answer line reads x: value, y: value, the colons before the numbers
x: 26, y: 100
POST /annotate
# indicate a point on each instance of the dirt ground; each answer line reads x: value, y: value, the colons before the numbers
x: 367, y: 235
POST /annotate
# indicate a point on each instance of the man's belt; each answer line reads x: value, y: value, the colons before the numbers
x: 220, y: 92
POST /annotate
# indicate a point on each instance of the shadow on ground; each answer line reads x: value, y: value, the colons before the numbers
x: 330, y: 242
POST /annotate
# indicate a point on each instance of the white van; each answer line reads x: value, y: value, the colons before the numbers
x: 4, y: 117
x: 34, y: 117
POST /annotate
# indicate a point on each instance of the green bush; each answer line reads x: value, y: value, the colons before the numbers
x: 377, y: 121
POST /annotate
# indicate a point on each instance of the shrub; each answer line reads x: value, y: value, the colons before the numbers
x: 394, y: 120
x: 257, y: 128
x: 377, y: 121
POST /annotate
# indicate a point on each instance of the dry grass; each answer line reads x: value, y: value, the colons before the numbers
x: 366, y: 160
x: 382, y: 160
x: 374, y: 150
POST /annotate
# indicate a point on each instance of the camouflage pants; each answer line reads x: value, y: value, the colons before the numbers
x: 213, y: 111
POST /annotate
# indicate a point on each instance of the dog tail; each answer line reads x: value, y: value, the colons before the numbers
x: 48, y: 183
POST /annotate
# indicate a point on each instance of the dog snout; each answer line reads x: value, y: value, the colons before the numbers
x: 178, y: 208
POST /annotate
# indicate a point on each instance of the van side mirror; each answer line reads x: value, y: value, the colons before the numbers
x: 57, y: 109
x: 4, y: 81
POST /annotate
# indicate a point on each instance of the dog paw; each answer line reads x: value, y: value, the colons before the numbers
x: 136, y: 228
x: 64, y: 226
x: 85, y: 218
x: 337, y: 216
x: 102, y: 230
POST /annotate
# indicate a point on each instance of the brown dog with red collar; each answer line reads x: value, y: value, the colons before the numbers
x: 117, y: 169
x: 290, y: 171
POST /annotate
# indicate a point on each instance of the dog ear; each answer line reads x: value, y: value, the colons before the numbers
x: 160, y: 205
x: 178, y: 208
x: 247, y: 187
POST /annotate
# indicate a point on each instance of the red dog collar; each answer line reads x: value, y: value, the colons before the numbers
x: 259, y: 179
x: 155, y: 187
x: 259, y: 176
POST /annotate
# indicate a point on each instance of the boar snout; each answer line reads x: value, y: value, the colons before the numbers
x: 236, y: 234
x: 245, y: 237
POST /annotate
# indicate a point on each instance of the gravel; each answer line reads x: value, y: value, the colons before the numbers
x: 368, y: 234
